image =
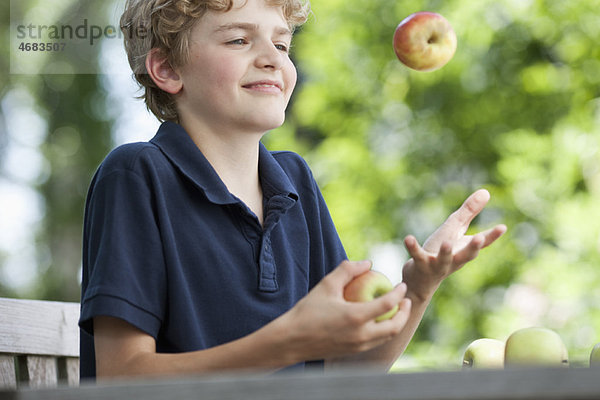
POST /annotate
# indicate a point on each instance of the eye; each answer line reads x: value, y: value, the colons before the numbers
x: 237, y: 41
x: 282, y: 47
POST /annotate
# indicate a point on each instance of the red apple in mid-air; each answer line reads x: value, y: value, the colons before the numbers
x: 424, y: 41
x: 369, y: 286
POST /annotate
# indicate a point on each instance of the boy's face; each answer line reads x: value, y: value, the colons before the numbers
x: 239, y: 76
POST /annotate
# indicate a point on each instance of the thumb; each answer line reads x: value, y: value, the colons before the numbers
x: 471, y: 207
x: 347, y: 271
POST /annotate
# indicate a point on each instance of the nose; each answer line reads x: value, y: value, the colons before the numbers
x: 268, y: 56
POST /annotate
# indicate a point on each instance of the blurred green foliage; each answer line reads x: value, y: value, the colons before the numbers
x: 517, y: 111
x: 76, y: 138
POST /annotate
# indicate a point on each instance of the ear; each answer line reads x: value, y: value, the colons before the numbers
x: 161, y: 72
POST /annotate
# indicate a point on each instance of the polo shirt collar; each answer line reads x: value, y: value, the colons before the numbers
x: 181, y: 150
x: 274, y: 180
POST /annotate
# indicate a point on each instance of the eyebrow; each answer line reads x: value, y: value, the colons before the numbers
x: 246, y: 26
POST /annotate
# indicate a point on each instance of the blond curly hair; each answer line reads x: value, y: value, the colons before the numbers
x: 166, y: 25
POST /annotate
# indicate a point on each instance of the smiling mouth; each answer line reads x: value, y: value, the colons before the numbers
x: 264, y: 87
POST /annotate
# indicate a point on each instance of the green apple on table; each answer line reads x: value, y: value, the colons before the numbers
x: 595, y: 356
x: 424, y: 41
x: 369, y: 286
x: 484, y: 353
x: 535, y: 346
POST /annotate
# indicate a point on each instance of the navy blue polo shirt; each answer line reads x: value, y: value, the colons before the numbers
x: 170, y: 250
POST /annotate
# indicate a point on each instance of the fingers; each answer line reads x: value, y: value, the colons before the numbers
x: 385, y: 303
x: 364, y: 312
x: 347, y: 271
x: 420, y: 255
x: 492, y: 234
x: 385, y: 330
x: 470, y: 251
x: 401, y: 317
x: 471, y: 207
x: 413, y: 248
x: 445, y: 254
x: 478, y: 242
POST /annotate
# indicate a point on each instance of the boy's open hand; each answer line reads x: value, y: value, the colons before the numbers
x: 325, y: 325
x: 448, y: 248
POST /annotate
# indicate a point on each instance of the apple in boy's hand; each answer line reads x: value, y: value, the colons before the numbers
x: 484, y: 353
x: 595, y: 356
x: 535, y: 346
x: 424, y: 41
x: 367, y: 287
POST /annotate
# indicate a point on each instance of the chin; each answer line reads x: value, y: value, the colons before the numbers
x: 269, y: 123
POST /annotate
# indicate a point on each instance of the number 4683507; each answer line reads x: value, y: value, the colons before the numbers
x: 47, y: 46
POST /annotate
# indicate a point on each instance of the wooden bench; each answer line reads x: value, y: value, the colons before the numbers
x: 39, y: 343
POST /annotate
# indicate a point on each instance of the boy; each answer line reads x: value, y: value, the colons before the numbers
x: 205, y: 252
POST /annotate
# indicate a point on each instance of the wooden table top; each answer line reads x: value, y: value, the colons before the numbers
x: 546, y: 384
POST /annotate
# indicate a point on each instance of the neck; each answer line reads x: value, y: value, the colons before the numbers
x: 234, y: 156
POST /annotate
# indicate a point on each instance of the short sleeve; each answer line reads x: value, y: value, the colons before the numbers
x: 124, y: 268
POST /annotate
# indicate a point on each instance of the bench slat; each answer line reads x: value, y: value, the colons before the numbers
x: 8, y: 375
x: 39, y: 327
x: 38, y: 371
x: 68, y: 370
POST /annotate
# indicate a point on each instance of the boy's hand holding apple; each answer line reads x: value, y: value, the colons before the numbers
x: 326, y: 325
